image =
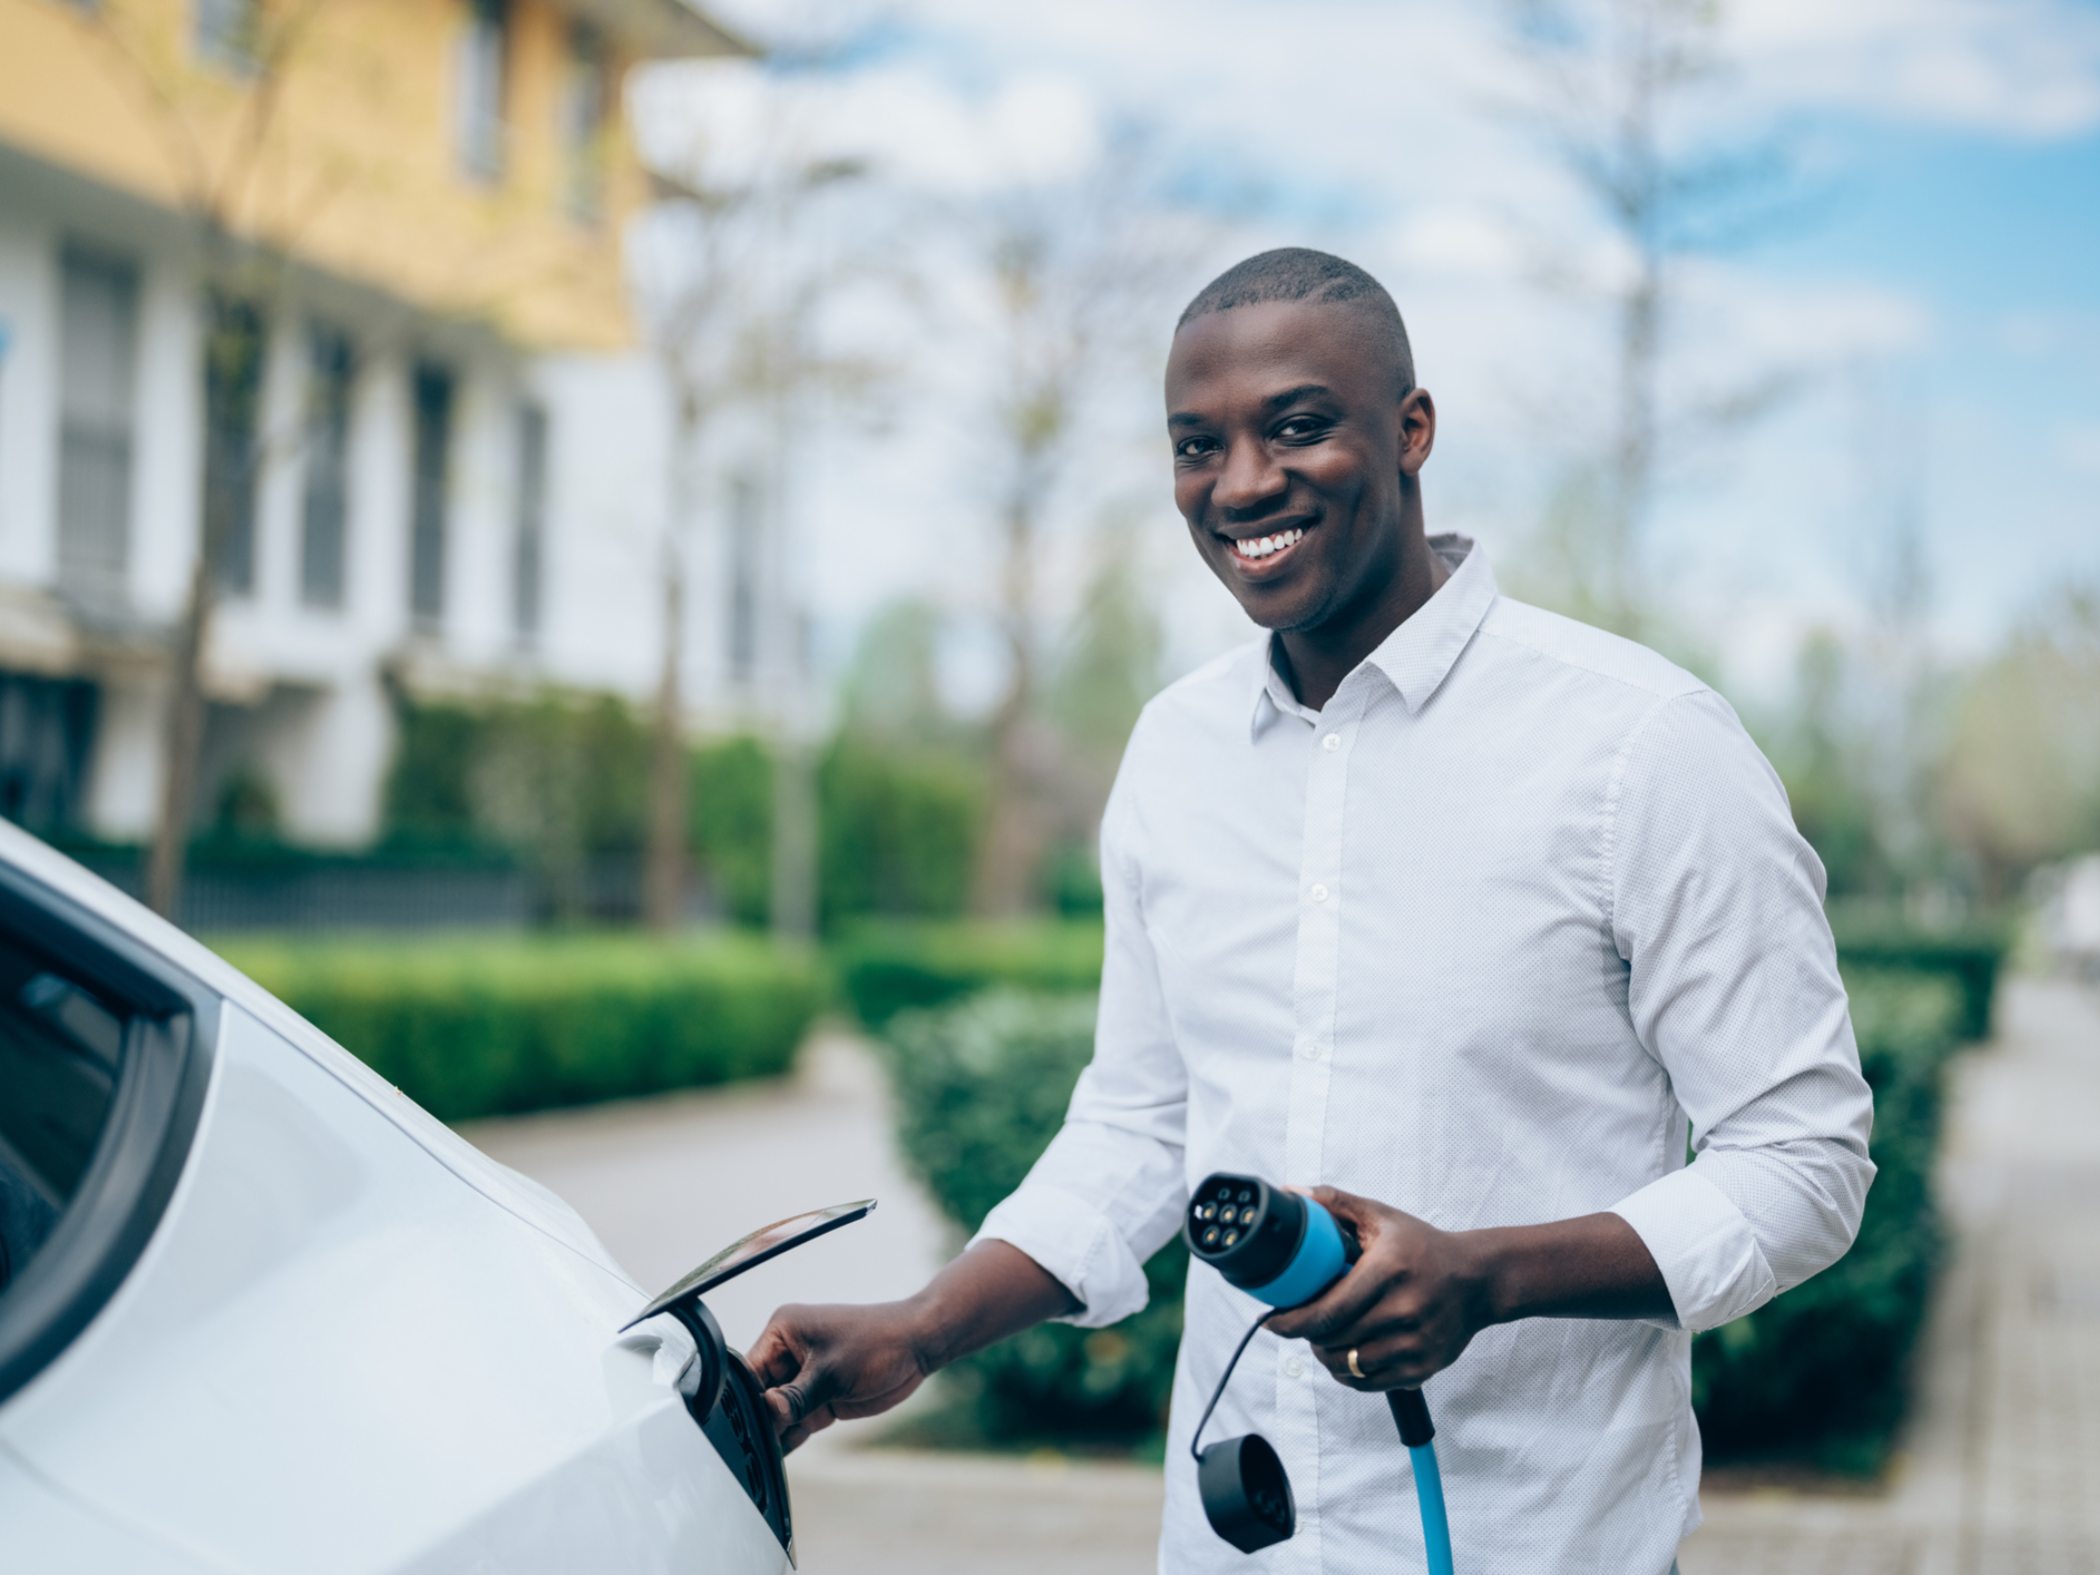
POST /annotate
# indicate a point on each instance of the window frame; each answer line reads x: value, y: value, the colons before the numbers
x: 332, y: 370
x: 482, y: 89
x: 98, y: 445
x: 155, y: 1110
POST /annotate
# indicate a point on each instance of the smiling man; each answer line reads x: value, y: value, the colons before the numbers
x: 1467, y: 916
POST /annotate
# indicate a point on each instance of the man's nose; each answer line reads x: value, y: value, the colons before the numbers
x: 1251, y: 479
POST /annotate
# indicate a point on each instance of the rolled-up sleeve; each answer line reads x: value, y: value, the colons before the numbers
x: 1733, y: 986
x: 1109, y: 1190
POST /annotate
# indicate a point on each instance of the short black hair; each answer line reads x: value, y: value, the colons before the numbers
x: 1298, y: 273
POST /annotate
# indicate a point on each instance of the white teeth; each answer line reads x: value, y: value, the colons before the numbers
x: 1264, y: 546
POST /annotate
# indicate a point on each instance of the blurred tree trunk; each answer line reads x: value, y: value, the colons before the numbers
x: 670, y: 769
x: 1001, y: 881
x: 234, y: 347
x: 794, y: 873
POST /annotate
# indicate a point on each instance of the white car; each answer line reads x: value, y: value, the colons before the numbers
x: 260, y: 1313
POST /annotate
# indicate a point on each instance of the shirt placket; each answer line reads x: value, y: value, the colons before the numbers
x: 1321, y: 894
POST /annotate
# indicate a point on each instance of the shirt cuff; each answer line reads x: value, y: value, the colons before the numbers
x: 1077, y: 1245
x: 1708, y: 1254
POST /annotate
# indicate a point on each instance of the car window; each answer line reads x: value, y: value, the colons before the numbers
x: 59, y: 1050
x: 105, y: 1058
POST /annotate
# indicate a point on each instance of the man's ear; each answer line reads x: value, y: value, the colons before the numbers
x: 1417, y: 422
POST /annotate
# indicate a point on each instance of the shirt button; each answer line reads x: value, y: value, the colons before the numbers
x: 1294, y: 1368
x: 1331, y: 742
x: 1311, y: 1050
x: 1319, y: 893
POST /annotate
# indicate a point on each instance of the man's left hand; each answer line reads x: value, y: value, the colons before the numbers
x: 1407, y: 1307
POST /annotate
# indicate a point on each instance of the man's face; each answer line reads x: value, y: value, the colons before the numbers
x: 1290, y: 440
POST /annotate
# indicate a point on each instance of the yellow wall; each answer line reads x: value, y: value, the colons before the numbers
x: 360, y: 171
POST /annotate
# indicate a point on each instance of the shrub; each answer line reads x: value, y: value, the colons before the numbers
x: 1821, y: 1372
x: 889, y: 968
x: 899, y: 830
x: 982, y: 1083
x: 492, y: 1025
x: 1972, y: 956
x: 981, y: 1086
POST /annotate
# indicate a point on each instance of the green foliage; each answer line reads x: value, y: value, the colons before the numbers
x: 490, y: 1025
x: 731, y: 810
x: 1822, y: 1372
x: 983, y: 1081
x: 889, y: 968
x: 247, y: 807
x: 899, y: 829
x: 560, y: 780
x: 981, y: 1085
x: 1972, y: 956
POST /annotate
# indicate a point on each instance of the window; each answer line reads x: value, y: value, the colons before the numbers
x: 227, y: 33
x: 744, y: 528
x: 584, y: 112
x: 98, y: 364
x: 47, y: 729
x: 431, y: 482
x: 235, y: 339
x: 528, y: 562
x: 104, y: 1059
x: 331, y: 373
x: 484, y: 58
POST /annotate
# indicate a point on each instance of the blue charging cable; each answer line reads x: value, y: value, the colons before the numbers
x: 1286, y: 1249
x: 1429, y: 1493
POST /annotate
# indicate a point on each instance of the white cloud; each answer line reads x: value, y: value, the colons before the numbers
x: 2078, y: 447
x: 2023, y: 68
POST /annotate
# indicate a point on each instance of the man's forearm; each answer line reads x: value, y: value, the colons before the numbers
x: 988, y: 1293
x: 1593, y: 1267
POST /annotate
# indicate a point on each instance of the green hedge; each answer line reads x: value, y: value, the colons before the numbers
x: 1821, y: 1373
x: 981, y: 1086
x: 1973, y: 956
x: 983, y: 1082
x: 888, y: 968
x: 493, y: 1025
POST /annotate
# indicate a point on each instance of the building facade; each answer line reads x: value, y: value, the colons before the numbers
x: 361, y: 285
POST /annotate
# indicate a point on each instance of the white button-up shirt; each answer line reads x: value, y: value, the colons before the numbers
x: 1486, y: 938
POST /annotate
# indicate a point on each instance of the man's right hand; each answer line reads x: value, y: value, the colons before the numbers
x: 821, y: 1365
x: 824, y: 1364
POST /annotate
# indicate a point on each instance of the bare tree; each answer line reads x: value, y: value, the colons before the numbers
x: 737, y: 285
x: 1078, y: 277
x: 219, y: 182
x: 1618, y: 84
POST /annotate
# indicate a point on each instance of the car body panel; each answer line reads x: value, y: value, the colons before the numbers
x: 46, y: 1531
x: 355, y: 1344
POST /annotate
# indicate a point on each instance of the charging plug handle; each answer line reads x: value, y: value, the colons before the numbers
x: 1411, y: 1416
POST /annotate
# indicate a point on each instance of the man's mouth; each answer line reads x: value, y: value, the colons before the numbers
x: 1262, y: 553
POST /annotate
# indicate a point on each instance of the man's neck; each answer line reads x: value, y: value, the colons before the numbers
x: 1315, y: 661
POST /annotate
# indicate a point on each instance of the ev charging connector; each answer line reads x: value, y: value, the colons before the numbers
x: 1285, y: 1249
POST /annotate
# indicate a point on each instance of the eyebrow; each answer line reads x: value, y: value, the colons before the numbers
x: 1275, y: 402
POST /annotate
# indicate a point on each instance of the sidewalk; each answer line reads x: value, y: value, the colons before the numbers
x: 1999, y: 1472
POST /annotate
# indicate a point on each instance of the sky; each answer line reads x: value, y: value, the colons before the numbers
x: 1930, y: 296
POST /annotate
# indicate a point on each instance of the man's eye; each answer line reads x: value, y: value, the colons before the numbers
x: 1192, y: 448
x: 1302, y: 429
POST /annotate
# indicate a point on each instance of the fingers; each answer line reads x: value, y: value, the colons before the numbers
x: 1400, y: 1361
x: 777, y: 1352
x: 1347, y: 1300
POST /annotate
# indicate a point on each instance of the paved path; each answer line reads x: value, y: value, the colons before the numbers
x: 1999, y: 1473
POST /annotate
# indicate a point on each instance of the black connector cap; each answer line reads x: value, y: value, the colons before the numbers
x: 1246, y: 1495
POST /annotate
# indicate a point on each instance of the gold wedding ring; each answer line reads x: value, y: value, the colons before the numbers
x: 1353, y: 1368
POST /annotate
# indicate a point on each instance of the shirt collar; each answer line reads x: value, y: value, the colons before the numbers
x: 1416, y: 657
